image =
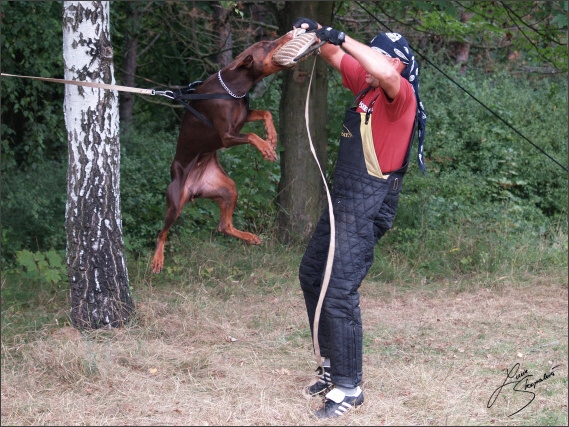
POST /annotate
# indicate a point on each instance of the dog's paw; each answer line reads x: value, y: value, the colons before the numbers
x: 157, y: 264
x: 251, y: 238
x: 270, y: 154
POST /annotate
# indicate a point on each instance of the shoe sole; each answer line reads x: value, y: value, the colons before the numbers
x: 354, y: 408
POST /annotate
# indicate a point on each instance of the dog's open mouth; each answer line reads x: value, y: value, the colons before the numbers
x: 302, y: 46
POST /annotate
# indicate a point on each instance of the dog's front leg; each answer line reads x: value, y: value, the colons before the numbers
x: 267, y: 117
x: 230, y: 135
x: 265, y: 147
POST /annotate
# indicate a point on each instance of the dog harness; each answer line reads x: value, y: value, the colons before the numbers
x: 188, y: 93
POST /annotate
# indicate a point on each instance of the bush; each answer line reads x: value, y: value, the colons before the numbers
x: 145, y: 173
x: 479, y: 171
x: 33, y: 209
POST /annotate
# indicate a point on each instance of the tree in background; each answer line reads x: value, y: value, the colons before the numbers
x: 301, y: 195
x: 96, y: 264
x: 135, y: 12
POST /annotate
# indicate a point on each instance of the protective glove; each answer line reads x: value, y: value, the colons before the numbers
x: 312, y: 24
x: 331, y: 35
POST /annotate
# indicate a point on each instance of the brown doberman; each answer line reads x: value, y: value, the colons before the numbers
x: 196, y: 171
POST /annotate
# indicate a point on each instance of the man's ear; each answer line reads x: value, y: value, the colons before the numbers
x: 400, y: 65
x: 245, y: 62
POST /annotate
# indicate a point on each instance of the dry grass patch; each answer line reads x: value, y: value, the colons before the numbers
x: 239, y: 354
x: 438, y: 358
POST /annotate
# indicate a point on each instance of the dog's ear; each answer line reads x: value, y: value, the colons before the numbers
x: 246, y: 62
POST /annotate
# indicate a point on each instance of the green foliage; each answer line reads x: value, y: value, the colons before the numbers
x: 481, y: 163
x: 42, y: 266
x: 34, y: 289
x: 146, y: 155
x: 33, y: 128
x: 232, y: 6
x: 494, y: 30
x: 33, y: 209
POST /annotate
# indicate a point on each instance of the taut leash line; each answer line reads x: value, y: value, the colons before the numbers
x: 177, y: 95
x: 91, y: 84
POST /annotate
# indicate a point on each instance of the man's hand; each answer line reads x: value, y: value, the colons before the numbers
x: 310, y: 24
x: 331, y: 35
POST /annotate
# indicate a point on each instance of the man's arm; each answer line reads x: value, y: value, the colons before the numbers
x: 375, y: 63
x: 332, y: 55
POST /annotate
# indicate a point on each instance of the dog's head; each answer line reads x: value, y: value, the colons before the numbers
x: 258, y: 58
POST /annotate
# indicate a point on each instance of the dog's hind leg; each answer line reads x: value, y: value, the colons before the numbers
x: 176, y: 198
x: 204, y: 178
x: 216, y: 185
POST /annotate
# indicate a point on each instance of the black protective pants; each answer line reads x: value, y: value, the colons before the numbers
x: 364, y: 209
x: 364, y: 205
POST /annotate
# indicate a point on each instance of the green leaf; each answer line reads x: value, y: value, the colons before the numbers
x: 560, y: 21
x: 52, y: 275
x: 54, y: 259
x: 27, y: 260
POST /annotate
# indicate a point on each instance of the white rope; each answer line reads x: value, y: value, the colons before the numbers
x: 332, y: 246
x: 90, y: 84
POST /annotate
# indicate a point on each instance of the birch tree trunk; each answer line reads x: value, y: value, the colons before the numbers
x: 96, y: 263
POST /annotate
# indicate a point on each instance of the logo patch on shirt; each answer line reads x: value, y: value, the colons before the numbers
x: 346, y: 132
x: 363, y: 107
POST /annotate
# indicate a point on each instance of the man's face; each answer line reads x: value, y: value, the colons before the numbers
x: 372, y: 81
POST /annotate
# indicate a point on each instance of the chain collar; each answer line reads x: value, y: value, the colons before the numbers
x: 226, y: 88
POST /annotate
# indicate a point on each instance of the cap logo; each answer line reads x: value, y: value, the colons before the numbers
x: 393, y: 36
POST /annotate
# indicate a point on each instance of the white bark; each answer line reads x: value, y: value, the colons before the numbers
x: 96, y: 264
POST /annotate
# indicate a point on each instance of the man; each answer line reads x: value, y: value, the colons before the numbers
x: 376, y: 140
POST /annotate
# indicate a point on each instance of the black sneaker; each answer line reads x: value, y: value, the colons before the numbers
x: 324, y: 383
x: 337, y: 404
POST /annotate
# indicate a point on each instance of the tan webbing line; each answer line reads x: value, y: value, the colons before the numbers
x: 90, y: 84
x: 332, y: 246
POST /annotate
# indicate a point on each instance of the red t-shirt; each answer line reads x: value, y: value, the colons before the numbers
x: 391, y: 121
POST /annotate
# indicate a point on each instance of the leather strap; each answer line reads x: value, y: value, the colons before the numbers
x: 89, y: 84
x: 332, y: 246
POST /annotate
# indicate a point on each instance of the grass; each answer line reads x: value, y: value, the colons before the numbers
x: 221, y: 338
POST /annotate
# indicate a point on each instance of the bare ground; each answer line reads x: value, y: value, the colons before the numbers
x: 241, y: 354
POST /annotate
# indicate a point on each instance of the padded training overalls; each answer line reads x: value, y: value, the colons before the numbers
x: 364, y: 208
